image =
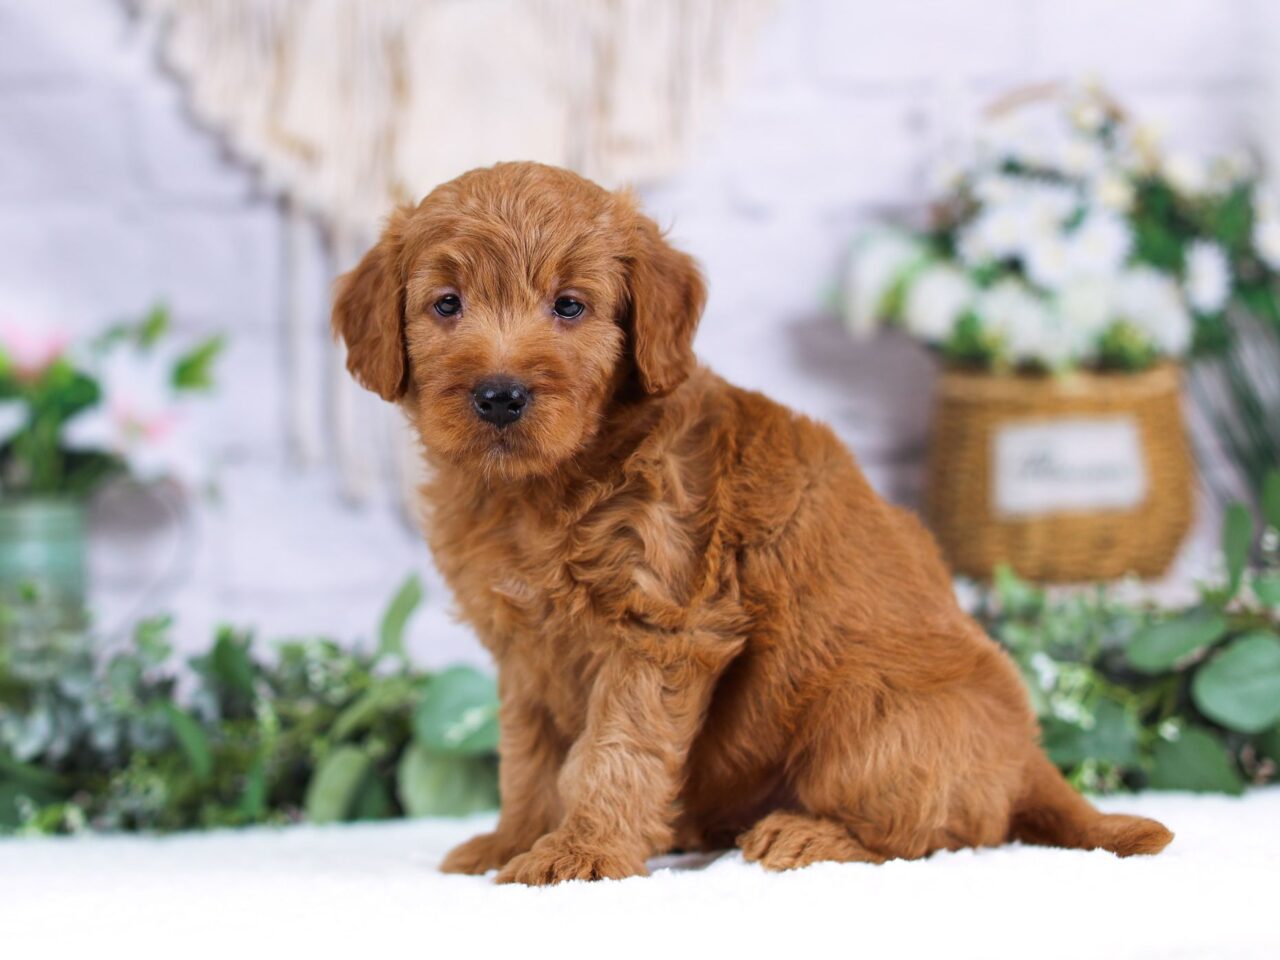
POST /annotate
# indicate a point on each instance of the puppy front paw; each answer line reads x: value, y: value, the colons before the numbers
x: 480, y: 854
x: 556, y: 858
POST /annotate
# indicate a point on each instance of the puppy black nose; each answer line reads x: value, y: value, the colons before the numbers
x: 500, y: 401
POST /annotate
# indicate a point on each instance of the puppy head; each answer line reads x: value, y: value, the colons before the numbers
x: 510, y: 308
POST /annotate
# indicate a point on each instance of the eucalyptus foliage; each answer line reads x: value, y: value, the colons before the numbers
x: 128, y: 739
x: 1131, y: 696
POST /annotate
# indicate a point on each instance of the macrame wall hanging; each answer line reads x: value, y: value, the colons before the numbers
x: 348, y: 107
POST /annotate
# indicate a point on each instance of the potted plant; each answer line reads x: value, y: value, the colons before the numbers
x: 73, y: 417
x: 1067, y: 269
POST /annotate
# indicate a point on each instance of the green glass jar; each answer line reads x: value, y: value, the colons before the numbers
x: 42, y: 545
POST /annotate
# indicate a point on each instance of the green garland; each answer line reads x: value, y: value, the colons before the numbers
x: 124, y: 740
x: 91, y: 738
x: 1130, y: 696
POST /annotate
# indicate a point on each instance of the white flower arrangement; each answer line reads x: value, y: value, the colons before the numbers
x: 1064, y: 238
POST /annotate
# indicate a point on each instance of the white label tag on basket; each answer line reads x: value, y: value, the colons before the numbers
x: 1055, y: 466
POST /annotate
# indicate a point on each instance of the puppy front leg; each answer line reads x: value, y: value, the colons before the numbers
x: 531, y: 753
x: 620, y: 781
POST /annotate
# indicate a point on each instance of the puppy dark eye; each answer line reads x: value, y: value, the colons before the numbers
x: 568, y: 308
x: 449, y: 305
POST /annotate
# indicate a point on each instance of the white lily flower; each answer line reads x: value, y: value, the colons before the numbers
x: 140, y: 419
x: 1208, y: 282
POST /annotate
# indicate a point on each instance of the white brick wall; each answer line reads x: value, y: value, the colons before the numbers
x: 110, y: 197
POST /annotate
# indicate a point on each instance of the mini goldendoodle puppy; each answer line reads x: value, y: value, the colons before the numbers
x: 709, y: 630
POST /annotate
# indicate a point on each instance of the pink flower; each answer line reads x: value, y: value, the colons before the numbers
x: 31, y: 352
x: 140, y: 420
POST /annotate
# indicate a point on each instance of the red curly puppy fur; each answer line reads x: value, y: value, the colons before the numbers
x: 708, y: 628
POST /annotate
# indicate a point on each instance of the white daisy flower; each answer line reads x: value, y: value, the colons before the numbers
x: 1088, y: 115
x: 1230, y: 169
x: 1087, y: 307
x: 1082, y: 157
x: 944, y: 176
x: 1144, y: 147
x: 994, y: 234
x: 1027, y: 328
x: 1208, y: 281
x: 1186, y: 174
x: 1266, y: 240
x: 1152, y: 302
x: 1046, y: 259
x: 1112, y: 191
x: 1100, y: 245
x: 936, y: 300
x: 879, y: 260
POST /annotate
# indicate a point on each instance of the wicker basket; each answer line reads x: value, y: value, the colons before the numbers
x: 1081, y: 477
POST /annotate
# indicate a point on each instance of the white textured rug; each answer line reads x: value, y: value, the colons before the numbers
x: 372, y: 891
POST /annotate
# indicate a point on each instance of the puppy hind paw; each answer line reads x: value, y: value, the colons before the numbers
x: 787, y: 841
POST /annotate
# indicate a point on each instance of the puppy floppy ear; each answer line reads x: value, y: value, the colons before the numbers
x: 368, y: 314
x: 666, y: 295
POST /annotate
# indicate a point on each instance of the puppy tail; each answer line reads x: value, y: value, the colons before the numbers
x: 1052, y: 814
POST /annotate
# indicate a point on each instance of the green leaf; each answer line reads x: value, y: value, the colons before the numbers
x: 1240, y: 687
x: 1113, y: 737
x: 1267, y: 587
x: 231, y: 662
x: 386, y: 696
x: 1237, y: 538
x: 431, y: 785
x: 1271, y: 499
x: 1268, y: 744
x: 30, y: 776
x: 253, y: 798
x: 1231, y: 217
x: 154, y: 325
x: 192, y: 739
x: 1198, y: 760
x: 194, y: 370
x: 1017, y: 596
x: 458, y: 713
x: 373, y: 802
x: 391, y: 630
x: 332, y: 792
x: 1162, y: 646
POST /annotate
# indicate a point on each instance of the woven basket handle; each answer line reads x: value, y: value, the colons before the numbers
x: 1020, y: 97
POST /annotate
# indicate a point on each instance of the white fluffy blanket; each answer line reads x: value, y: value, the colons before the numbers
x: 373, y: 891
